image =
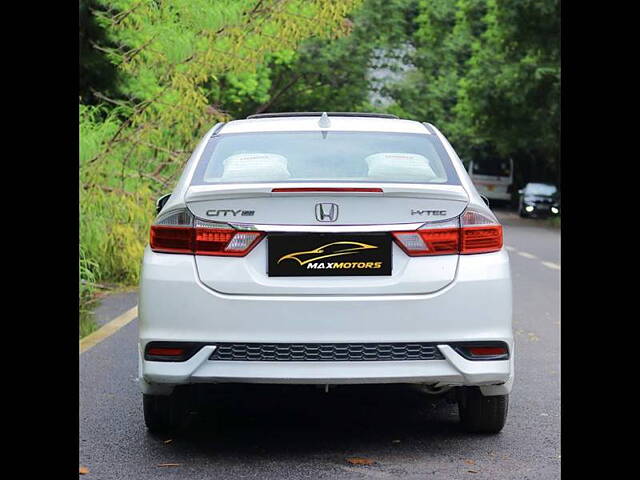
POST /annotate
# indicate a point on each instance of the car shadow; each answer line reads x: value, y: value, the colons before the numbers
x: 288, y: 419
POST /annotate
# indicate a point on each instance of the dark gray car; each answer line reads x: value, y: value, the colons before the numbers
x: 539, y: 200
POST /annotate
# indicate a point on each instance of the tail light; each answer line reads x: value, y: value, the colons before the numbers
x: 435, y: 238
x: 180, y: 232
x: 479, y: 233
x: 472, y: 232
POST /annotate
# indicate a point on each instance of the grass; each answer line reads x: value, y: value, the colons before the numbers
x: 87, y: 322
x: 116, y: 209
x: 554, y: 222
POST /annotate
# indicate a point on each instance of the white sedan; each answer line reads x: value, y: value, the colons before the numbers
x: 326, y: 249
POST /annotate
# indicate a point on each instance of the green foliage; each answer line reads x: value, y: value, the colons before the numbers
x: 156, y: 75
x: 555, y: 222
x: 327, y: 75
x: 96, y: 72
x: 169, y: 58
x: 114, y: 230
x: 442, y: 47
x: 89, y: 271
x: 171, y: 55
x: 511, y: 93
x: 487, y: 72
x: 114, y: 215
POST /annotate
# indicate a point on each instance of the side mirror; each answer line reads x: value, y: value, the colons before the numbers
x: 485, y: 199
x: 161, y: 202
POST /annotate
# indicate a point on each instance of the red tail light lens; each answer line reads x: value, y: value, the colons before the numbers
x: 472, y: 232
x: 170, y: 239
x: 179, y: 232
x: 480, y: 233
x: 481, y: 239
x: 440, y: 238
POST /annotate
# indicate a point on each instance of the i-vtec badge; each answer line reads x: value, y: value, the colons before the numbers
x: 231, y: 213
x: 429, y: 212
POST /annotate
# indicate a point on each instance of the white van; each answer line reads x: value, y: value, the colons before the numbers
x: 492, y: 177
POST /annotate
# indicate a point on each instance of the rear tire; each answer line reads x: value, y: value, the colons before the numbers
x: 163, y: 413
x: 480, y: 414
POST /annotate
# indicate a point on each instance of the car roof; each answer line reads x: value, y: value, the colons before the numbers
x: 309, y: 121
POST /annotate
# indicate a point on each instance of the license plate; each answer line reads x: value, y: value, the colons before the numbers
x: 323, y: 255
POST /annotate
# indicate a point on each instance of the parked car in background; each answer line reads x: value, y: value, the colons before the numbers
x: 539, y: 200
x: 492, y: 177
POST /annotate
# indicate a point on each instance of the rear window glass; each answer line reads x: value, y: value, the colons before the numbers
x: 324, y: 156
x: 541, y: 189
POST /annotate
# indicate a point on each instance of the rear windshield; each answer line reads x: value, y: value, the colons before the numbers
x: 541, y: 189
x: 324, y: 156
x: 491, y: 166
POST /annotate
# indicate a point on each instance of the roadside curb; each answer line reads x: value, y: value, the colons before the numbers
x: 108, y: 329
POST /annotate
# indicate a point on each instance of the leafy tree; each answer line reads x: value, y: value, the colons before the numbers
x: 167, y: 52
x: 487, y: 72
x: 168, y: 56
x: 96, y: 72
x: 442, y: 46
x: 511, y: 94
x: 327, y: 75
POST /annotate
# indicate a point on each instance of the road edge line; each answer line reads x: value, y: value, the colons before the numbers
x: 551, y: 265
x: 108, y: 329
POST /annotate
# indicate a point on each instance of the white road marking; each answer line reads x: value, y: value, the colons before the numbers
x: 552, y: 265
x: 108, y: 329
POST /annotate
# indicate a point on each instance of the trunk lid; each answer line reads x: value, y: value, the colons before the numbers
x: 396, y: 207
x: 258, y: 204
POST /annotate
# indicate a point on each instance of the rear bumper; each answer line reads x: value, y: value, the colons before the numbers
x: 176, y: 306
x: 494, y: 377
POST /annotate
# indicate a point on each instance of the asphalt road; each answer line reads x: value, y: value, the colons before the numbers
x: 301, y: 432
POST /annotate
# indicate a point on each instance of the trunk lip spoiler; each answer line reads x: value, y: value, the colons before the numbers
x: 196, y: 193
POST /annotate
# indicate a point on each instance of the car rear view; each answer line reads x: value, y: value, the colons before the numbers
x: 326, y: 249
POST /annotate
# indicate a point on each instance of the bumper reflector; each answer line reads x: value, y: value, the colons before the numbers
x: 166, y: 352
x: 482, y: 350
x: 171, y: 351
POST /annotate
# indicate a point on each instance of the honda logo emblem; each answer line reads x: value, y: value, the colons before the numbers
x: 326, y: 212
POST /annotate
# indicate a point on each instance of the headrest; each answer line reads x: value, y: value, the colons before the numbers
x: 400, y: 167
x: 255, y: 167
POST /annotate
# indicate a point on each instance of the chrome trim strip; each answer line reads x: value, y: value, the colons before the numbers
x: 327, y: 228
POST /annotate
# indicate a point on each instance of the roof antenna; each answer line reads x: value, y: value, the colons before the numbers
x: 324, y: 121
